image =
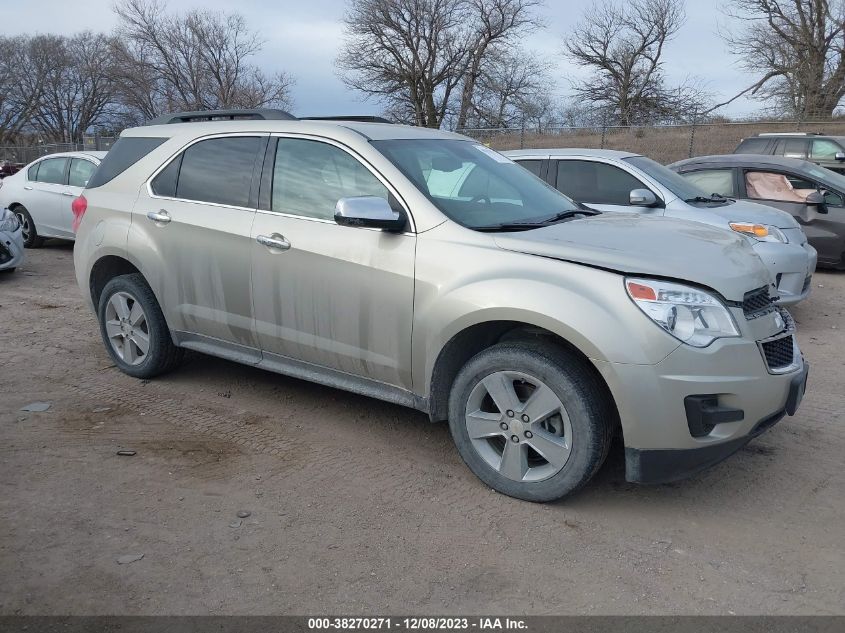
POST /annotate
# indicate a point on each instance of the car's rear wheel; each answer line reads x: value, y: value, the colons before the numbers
x: 30, y: 233
x: 134, y: 329
x: 531, y: 420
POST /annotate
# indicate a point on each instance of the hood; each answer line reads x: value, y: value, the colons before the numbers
x: 640, y: 245
x: 743, y: 211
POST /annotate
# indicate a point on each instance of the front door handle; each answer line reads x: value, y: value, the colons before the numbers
x: 159, y: 217
x: 275, y: 242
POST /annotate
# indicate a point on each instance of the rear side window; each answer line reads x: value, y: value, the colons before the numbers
x: 127, y: 151
x: 597, y: 183
x: 52, y: 171
x: 80, y: 172
x: 791, y: 148
x: 218, y: 170
x: 752, y: 146
x: 32, y: 172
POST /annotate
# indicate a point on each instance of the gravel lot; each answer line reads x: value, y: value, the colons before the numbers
x: 361, y: 507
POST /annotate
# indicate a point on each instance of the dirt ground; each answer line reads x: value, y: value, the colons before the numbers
x: 361, y: 507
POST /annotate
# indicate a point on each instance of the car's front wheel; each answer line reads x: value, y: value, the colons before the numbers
x: 30, y: 233
x: 134, y: 329
x: 531, y: 420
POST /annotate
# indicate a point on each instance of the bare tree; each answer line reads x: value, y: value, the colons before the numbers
x: 622, y: 46
x: 195, y: 61
x: 512, y: 89
x: 796, y: 48
x: 497, y: 24
x: 24, y: 65
x: 410, y: 53
x: 78, y: 90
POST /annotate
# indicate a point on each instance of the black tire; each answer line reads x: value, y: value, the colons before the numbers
x: 592, y: 415
x: 31, y: 238
x: 162, y: 355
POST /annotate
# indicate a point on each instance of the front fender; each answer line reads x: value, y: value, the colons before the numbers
x: 585, y: 306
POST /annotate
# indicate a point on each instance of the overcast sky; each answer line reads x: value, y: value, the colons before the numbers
x: 303, y: 37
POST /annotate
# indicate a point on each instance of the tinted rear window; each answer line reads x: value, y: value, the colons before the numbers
x: 752, y: 146
x: 219, y: 170
x: 127, y: 151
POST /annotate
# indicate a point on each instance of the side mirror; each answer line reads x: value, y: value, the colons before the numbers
x: 816, y: 199
x: 642, y: 198
x: 840, y: 156
x: 369, y: 212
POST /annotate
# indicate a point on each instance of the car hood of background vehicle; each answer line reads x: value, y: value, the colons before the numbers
x: 637, y: 245
x: 742, y: 211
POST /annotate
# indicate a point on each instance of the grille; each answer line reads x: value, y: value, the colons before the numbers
x: 778, y: 353
x: 756, y: 301
x: 5, y: 254
x: 807, y: 283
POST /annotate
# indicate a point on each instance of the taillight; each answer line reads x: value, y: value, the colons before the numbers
x: 78, y: 206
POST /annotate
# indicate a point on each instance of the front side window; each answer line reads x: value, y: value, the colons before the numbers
x: 219, y: 170
x: 80, y: 172
x: 472, y: 184
x: 824, y: 150
x: 309, y: 177
x: 597, y: 183
x: 52, y: 171
x: 718, y: 181
x: 531, y: 165
x: 762, y: 185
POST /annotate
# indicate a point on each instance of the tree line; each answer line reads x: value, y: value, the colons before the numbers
x: 461, y: 63
x: 437, y: 63
x: 60, y: 87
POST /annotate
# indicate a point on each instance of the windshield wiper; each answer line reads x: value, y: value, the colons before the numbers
x: 716, y: 197
x: 525, y: 226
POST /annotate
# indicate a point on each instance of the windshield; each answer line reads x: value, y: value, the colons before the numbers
x: 827, y: 177
x: 473, y: 185
x: 675, y: 183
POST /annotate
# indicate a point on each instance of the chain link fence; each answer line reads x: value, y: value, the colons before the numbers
x: 24, y: 154
x: 663, y: 143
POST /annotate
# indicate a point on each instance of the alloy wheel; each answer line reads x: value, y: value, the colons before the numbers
x: 127, y: 328
x: 519, y: 426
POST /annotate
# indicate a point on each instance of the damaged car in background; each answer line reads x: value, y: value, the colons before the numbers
x: 11, y: 241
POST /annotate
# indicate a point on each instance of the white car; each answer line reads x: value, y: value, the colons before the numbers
x: 622, y: 182
x: 41, y: 194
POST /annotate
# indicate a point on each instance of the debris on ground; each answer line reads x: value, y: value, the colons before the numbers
x: 127, y: 453
x: 129, y: 558
x: 36, y: 407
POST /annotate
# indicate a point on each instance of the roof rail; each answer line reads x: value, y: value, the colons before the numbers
x: 790, y: 134
x: 360, y: 118
x: 260, y: 114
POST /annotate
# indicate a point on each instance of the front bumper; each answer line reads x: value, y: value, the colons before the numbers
x: 11, y: 249
x: 666, y: 465
x: 738, y: 386
x: 791, y: 266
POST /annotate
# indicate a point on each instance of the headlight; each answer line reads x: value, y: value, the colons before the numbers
x: 8, y: 221
x: 691, y: 315
x: 761, y: 232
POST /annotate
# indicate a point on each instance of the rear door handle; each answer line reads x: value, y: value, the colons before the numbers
x: 67, y: 193
x: 159, y: 217
x: 275, y: 242
x: 27, y: 187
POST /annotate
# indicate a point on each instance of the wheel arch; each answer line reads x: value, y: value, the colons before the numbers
x: 104, y: 270
x: 474, y: 338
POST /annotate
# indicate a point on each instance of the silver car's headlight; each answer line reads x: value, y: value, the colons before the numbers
x: 690, y: 314
x: 760, y: 232
x: 8, y: 221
